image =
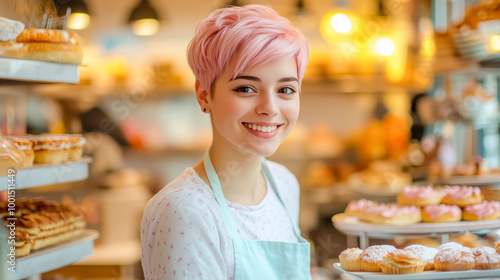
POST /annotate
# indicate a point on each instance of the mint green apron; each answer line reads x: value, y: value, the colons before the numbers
x: 259, y: 259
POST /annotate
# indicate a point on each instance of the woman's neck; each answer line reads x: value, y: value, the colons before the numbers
x: 240, y: 175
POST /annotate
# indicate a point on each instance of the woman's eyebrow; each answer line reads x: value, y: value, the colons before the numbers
x: 253, y: 78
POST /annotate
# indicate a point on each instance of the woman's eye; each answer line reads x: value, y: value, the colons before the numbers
x: 244, y: 89
x: 286, y: 90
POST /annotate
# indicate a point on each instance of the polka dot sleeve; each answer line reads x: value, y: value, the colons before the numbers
x: 179, y: 241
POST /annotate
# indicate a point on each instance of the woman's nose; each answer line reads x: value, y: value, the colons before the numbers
x: 267, y: 104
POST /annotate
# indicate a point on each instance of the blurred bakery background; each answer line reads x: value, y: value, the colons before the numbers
x: 396, y: 92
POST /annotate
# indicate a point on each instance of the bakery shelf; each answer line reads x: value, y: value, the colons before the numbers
x: 471, y: 180
x: 351, y: 226
x: 55, y: 256
x: 48, y: 174
x: 14, y: 70
x: 426, y: 275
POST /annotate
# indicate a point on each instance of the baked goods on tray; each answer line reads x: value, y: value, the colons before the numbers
x: 51, y: 45
x: 40, y: 223
x: 450, y: 256
x: 444, y: 204
x: 9, y: 30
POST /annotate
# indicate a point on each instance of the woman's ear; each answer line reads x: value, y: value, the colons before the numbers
x: 203, y: 97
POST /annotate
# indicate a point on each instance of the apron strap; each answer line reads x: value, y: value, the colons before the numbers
x: 217, y: 189
x: 219, y: 196
x: 267, y: 173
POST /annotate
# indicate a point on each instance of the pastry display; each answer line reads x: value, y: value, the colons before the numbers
x: 486, y: 258
x: 392, y: 214
x: 372, y: 257
x: 41, y: 223
x: 76, y: 143
x: 486, y: 210
x: 461, y: 195
x: 358, y: 208
x: 426, y: 253
x: 11, y: 157
x: 402, y: 262
x: 350, y: 259
x: 9, y: 30
x: 441, y: 213
x: 24, y: 144
x: 420, y: 196
x: 454, y: 259
x: 415, y: 258
x: 50, y: 149
x: 51, y: 45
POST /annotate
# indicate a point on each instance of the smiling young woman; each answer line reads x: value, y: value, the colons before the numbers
x: 234, y: 215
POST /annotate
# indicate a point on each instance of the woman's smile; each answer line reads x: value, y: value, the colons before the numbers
x: 263, y: 130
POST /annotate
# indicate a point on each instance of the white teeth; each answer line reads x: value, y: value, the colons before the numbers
x: 261, y: 128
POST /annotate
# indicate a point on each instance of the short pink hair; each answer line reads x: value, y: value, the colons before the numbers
x: 258, y: 34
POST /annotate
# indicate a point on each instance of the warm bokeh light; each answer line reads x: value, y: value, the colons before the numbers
x: 495, y: 43
x: 384, y: 46
x: 78, y: 21
x: 337, y: 25
x: 428, y: 47
x: 341, y: 23
x: 145, y: 27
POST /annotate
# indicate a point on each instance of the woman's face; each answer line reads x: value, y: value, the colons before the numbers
x: 256, y: 110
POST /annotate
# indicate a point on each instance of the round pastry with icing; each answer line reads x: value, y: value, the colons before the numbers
x: 402, y: 262
x: 393, y: 214
x: 372, y: 257
x: 441, y: 213
x: 450, y: 245
x: 462, y: 195
x: 357, y: 208
x: 486, y: 210
x: 419, y: 196
x: 451, y: 259
x: 426, y: 253
x: 486, y: 258
x: 350, y: 259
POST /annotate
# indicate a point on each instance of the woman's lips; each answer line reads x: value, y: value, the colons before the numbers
x: 262, y: 131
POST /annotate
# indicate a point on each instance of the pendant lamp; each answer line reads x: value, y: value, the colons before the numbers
x: 144, y: 19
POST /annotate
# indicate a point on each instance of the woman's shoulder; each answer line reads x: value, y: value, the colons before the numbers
x: 184, y: 191
x: 280, y: 171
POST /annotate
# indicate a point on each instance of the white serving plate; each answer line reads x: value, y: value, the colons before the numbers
x: 426, y: 275
x: 352, y: 225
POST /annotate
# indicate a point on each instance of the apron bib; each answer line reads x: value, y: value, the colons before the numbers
x: 259, y: 259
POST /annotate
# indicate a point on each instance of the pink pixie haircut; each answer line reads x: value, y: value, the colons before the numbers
x: 256, y: 34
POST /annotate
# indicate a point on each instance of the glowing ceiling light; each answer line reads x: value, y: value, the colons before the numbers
x: 341, y: 23
x: 495, y: 43
x: 384, y: 46
x: 78, y: 21
x: 145, y: 27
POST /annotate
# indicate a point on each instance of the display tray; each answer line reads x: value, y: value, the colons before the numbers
x: 55, y: 256
x: 471, y: 180
x: 353, y: 226
x: 426, y: 275
x: 47, y: 174
x: 14, y: 69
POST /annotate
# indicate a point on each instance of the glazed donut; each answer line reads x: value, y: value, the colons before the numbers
x: 462, y: 195
x: 486, y: 210
x: 441, y: 213
x: 419, y: 196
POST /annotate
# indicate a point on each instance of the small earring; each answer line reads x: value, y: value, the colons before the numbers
x: 204, y: 109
